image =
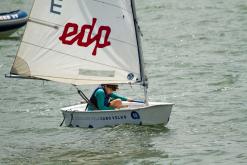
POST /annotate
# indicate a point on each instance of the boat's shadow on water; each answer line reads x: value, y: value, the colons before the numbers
x: 140, y: 129
x: 159, y: 128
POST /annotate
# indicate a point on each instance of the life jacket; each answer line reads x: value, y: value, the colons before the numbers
x: 93, y: 99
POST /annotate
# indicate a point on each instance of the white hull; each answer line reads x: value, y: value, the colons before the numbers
x: 136, y: 113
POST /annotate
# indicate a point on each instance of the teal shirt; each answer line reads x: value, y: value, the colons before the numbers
x: 100, y: 97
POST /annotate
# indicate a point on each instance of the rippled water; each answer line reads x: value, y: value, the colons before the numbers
x: 195, y: 55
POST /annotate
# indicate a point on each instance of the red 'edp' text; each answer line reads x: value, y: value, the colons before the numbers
x: 70, y: 35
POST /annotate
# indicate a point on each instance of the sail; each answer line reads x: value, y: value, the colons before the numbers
x: 80, y: 42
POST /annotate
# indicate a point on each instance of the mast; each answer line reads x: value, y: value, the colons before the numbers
x: 144, y: 80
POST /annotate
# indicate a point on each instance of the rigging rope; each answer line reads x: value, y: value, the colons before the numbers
x: 84, y: 97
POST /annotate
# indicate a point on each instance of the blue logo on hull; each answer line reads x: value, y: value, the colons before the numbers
x: 135, y: 115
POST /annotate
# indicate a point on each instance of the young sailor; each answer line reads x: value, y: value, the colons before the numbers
x: 105, y: 98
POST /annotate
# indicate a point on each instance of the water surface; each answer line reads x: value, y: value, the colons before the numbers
x: 195, y: 56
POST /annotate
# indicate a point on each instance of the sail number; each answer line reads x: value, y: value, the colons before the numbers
x: 84, y: 37
x: 55, y: 5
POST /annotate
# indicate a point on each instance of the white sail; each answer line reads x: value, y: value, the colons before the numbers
x: 80, y: 42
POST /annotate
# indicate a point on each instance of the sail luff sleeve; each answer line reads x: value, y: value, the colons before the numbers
x: 138, y: 40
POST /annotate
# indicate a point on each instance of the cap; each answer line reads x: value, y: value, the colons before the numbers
x: 114, y: 87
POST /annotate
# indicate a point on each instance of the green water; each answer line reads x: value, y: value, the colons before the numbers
x: 196, y: 57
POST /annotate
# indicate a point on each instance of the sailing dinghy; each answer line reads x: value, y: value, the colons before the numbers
x: 85, y: 42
